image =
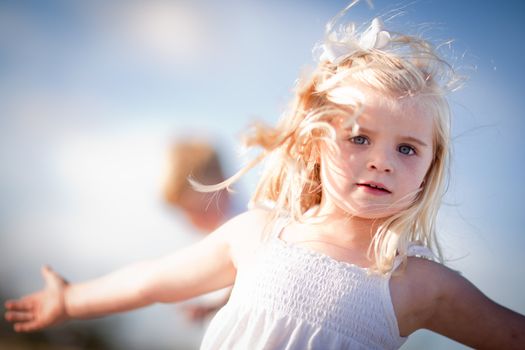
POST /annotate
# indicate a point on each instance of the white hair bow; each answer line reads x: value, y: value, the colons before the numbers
x: 338, y: 46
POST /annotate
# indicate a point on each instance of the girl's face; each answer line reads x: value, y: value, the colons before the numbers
x: 380, y: 170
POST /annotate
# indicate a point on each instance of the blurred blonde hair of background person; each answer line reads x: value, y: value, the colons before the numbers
x: 200, y: 160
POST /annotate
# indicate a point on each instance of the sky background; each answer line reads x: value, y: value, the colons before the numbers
x: 92, y: 93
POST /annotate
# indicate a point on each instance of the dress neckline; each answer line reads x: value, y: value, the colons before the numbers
x: 323, y: 256
x: 281, y: 223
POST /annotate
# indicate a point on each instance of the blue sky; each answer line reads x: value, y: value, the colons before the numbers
x: 91, y: 94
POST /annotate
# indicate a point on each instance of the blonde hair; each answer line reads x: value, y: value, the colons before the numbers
x: 408, y: 69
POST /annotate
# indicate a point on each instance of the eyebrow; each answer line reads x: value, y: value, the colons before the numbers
x: 408, y: 138
x: 415, y: 140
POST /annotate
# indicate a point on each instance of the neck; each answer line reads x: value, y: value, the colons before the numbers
x: 351, y: 229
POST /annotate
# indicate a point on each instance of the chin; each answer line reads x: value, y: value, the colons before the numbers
x: 374, y: 216
x: 365, y: 212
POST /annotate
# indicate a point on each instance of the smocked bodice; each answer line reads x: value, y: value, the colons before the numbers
x: 291, y: 297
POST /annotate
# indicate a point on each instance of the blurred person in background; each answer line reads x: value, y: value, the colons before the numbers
x: 198, y: 159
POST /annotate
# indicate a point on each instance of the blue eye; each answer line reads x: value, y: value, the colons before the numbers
x: 406, y: 150
x: 359, y: 140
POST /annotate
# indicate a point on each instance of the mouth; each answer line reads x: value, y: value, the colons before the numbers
x: 374, y: 186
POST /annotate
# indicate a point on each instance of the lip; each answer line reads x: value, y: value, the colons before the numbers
x: 378, y: 188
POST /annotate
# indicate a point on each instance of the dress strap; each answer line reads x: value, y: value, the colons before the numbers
x: 278, y: 226
x: 415, y: 249
x: 421, y: 251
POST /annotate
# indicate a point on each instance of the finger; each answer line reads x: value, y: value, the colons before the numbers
x: 20, y: 305
x: 51, y: 277
x: 26, y: 326
x: 47, y: 273
x: 17, y: 316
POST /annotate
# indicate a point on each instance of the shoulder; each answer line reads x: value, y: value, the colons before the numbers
x: 245, y: 231
x: 247, y: 224
x: 418, y: 289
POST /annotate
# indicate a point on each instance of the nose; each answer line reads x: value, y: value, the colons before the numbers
x: 380, y: 160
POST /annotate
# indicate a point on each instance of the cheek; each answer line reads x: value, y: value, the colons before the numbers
x: 418, y: 170
x: 336, y: 173
x: 333, y: 171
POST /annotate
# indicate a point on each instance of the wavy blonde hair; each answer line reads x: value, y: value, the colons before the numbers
x: 408, y: 70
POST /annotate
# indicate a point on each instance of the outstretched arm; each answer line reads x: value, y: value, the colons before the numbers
x: 441, y: 300
x: 200, y: 268
x: 464, y: 313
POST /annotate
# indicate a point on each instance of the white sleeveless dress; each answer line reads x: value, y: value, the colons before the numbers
x: 292, y: 297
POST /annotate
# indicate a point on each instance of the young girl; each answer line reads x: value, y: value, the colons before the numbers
x: 338, y: 250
